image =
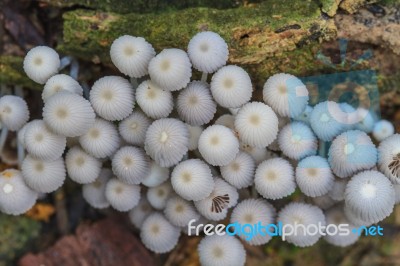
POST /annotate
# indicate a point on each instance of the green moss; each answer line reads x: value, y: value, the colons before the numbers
x: 329, y: 6
x: 389, y: 83
x: 254, y: 34
x: 389, y: 2
x: 145, y: 6
x: 12, y: 73
x: 16, y: 234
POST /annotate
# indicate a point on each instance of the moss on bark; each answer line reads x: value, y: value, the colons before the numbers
x: 16, y: 234
x: 146, y: 6
x: 263, y: 37
x: 12, y: 73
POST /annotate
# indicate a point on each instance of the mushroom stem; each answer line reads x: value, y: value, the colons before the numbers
x: 253, y: 191
x: 204, y: 77
x: 74, y: 70
x: 234, y: 111
x: 322, y: 148
x: 3, y: 137
x: 61, y: 213
x: 4, y: 90
x: 85, y: 88
x: 65, y: 61
x: 18, y: 91
x: 20, y: 149
x: 134, y: 83
x: 21, y: 153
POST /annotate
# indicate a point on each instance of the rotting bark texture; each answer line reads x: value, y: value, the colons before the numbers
x: 378, y: 26
x: 264, y: 38
x: 107, y: 242
x: 253, y: 33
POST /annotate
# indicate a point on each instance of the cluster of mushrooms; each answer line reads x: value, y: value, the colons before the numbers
x: 167, y: 150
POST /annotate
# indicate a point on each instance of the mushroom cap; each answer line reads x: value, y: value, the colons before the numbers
x: 350, y: 114
x: 253, y: 211
x: 112, y: 98
x: 140, y: 212
x: 304, y: 116
x: 327, y: 120
x: 215, y: 206
x: 158, y: 234
x: 397, y: 193
x: 338, y: 189
x: 324, y: 202
x: 82, y: 167
x: 14, y: 112
x: 208, y: 51
x: 216, y: 250
x: 154, y: 101
x: 21, y: 135
x: 370, y: 196
x: 40, y: 63
x: 43, y: 176
x: 256, y: 124
x: 218, y: 145
x: 354, y: 218
x: 156, y: 175
x: 382, y: 130
x: 170, y: 69
x: 167, y: 141
x: 195, y: 104
x: 226, y: 120
x: 286, y: 94
x: 158, y: 196
x: 389, y: 158
x: 282, y: 122
x: 351, y: 152
x: 337, y: 217
x: 179, y: 212
x: 60, y: 82
x: 296, y: 141
x: 68, y: 114
x: 133, y: 128
x: 192, y: 179
x: 194, y: 135
x: 130, y: 164
x: 240, y: 172
x: 258, y: 154
x: 192, y: 230
x: 303, y: 214
x: 42, y: 143
x: 274, y: 178
x: 121, y: 196
x: 231, y: 86
x: 15, y: 197
x: 366, y: 120
x: 95, y: 193
x: 131, y: 55
x: 101, y: 140
x: 314, y: 176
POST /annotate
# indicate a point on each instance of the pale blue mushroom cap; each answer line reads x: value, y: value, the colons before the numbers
x: 352, y: 151
x: 327, y: 122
